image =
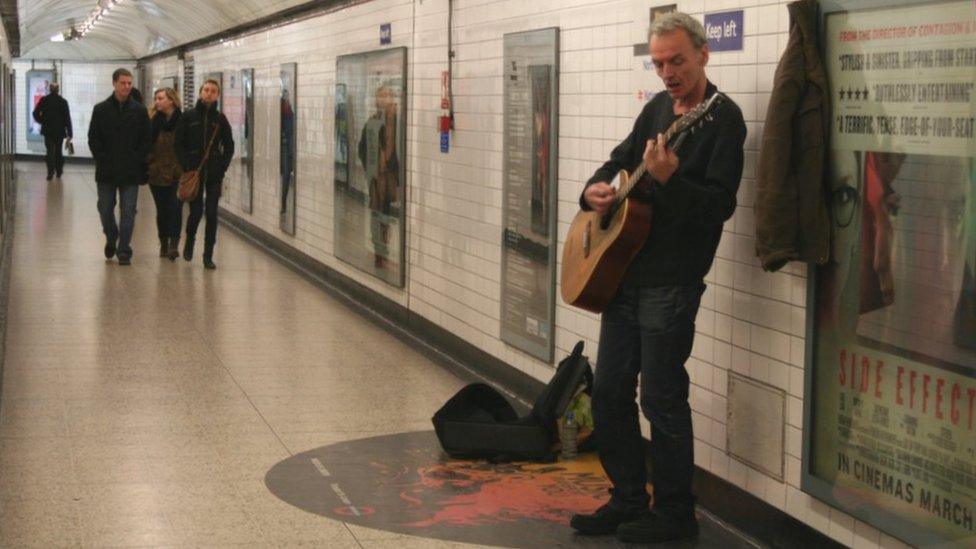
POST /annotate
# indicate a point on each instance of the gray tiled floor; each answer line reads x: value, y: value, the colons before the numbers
x: 143, y: 405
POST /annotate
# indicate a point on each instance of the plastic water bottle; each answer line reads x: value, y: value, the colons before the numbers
x: 568, y: 437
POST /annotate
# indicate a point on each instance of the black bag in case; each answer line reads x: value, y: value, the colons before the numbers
x: 478, y: 422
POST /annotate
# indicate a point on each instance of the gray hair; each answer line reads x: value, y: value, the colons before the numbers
x: 677, y: 20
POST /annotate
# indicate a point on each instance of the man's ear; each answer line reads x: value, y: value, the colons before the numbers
x: 704, y: 54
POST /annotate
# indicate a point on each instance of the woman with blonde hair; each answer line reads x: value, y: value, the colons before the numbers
x: 203, y: 130
x: 165, y: 170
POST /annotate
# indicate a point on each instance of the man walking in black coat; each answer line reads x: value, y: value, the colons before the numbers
x: 54, y: 116
x: 120, y: 140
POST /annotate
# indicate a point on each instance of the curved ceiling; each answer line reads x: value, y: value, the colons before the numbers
x: 133, y: 28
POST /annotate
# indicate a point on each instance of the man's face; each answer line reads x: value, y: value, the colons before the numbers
x: 678, y: 62
x: 123, y: 86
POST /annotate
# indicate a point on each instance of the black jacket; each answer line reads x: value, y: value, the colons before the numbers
x: 687, y: 212
x: 54, y: 116
x: 194, y: 131
x: 119, y: 139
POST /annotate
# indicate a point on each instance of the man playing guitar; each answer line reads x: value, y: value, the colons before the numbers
x: 649, y: 326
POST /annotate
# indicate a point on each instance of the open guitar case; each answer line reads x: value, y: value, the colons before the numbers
x: 479, y: 423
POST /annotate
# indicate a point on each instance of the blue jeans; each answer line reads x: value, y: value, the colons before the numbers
x: 647, y: 331
x: 118, y: 232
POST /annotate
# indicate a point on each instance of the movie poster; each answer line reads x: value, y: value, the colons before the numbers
x: 369, y: 161
x: 892, y: 391
x: 288, y: 147
x: 529, y: 195
x: 38, y: 83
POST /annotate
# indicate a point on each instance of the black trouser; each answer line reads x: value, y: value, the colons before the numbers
x: 169, y: 210
x: 54, y: 156
x: 647, y: 331
x: 212, y: 190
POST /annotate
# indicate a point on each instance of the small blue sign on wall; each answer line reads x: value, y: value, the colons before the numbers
x: 445, y: 141
x: 386, y: 34
x: 724, y: 30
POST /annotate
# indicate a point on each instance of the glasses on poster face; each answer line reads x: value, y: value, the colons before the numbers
x: 843, y: 201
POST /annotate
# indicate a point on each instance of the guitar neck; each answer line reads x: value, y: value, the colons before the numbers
x: 639, y: 172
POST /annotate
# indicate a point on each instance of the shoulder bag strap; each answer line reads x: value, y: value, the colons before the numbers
x: 206, y: 153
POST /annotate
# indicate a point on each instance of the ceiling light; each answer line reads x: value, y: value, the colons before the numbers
x: 59, y: 37
x: 102, y: 8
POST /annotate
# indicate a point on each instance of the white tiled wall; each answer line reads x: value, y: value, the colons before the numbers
x: 751, y: 322
x: 82, y: 84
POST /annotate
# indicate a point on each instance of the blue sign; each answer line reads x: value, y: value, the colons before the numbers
x: 724, y: 30
x: 445, y: 141
x: 386, y: 34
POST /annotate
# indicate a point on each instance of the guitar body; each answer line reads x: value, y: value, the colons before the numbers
x: 595, y: 258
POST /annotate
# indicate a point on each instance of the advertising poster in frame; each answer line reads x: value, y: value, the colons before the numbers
x: 890, y: 425
x: 531, y: 112
x: 169, y: 82
x: 246, y: 133
x: 38, y: 84
x: 289, y: 146
x: 370, y: 151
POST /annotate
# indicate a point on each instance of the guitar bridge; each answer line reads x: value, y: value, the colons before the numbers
x: 586, y: 239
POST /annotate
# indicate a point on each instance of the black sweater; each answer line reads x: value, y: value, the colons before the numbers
x: 688, y: 211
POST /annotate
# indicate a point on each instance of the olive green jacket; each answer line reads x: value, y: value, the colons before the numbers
x: 792, y: 222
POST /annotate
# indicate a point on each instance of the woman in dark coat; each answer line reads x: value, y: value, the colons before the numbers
x: 165, y: 170
x: 195, y: 130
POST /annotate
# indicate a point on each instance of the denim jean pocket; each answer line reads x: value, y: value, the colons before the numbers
x: 664, y: 308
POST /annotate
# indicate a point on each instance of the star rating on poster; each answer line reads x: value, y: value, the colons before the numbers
x: 853, y: 94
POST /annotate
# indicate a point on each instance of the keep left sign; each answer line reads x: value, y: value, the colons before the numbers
x: 724, y: 30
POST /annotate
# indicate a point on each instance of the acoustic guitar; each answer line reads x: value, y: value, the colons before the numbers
x: 598, y: 248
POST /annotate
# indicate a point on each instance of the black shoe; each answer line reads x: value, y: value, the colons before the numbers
x: 174, y: 248
x: 50, y: 176
x: 109, y: 249
x: 655, y: 528
x: 604, y: 521
x: 59, y: 174
x: 209, y: 264
x: 164, y: 247
x: 188, y: 249
x: 125, y: 260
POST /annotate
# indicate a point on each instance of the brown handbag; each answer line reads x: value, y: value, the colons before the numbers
x: 190, y: 181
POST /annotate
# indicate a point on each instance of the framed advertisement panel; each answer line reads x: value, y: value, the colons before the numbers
x: 38, y: 84
x: 246, y: 133
x: 889, y: 426
x: 288, y: 145
x: 530, y: 159
x: 369, y: 162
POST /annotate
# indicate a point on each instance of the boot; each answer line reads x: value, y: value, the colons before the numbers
x: 208, y: 257
x: 174, y: 247
x: 188, y: 248
x: 163, y: 246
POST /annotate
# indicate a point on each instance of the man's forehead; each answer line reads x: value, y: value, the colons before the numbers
x: 669, y: 44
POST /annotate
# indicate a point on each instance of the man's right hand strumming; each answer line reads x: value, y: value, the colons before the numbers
x: 600, y: 196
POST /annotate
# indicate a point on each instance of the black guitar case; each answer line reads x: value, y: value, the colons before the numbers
x: 479, y: 423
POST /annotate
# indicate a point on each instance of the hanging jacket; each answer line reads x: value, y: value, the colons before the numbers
x: 193, y: 133
x: 164, y: 166
x: 792, y: 223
